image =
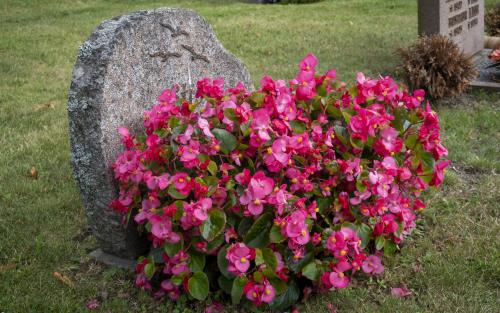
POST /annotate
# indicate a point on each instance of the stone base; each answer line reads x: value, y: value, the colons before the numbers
x: 112, y: 260
x: 489, y: 78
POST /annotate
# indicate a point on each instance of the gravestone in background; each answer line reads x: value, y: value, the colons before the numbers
x: 461, y: 20
x: 120, y: 71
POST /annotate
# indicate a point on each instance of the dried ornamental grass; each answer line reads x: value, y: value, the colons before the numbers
x: 492, y: 21
x: 436, y: 64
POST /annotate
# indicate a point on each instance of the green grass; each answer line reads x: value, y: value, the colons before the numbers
x: 452, y: 263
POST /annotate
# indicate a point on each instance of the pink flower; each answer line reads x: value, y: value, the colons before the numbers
x: 93, y: 304
x: 438, y: 176
x: 260, y: 292
x: 127, y: 139
x: 259, y: 187
x: 239, y: 257
x: 182, y: 183
x: 201, y: 207
x: 387, y: 225
x: 336, y: 278
x: 351, y: 168
x: 162, y: 229
x: 372, y: 265
x: 168, y: 96
x: 308, y: 63
x: 296, y: 228
x: 276, y: 157
x: 389, y: 143
x: 261, y: 123
x: 171, y: 289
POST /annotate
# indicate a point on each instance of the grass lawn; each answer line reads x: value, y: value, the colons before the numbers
x: 452, y: 263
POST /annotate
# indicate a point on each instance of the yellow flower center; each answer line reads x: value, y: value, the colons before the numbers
x: 269, y: 150
x: 316, y: 210
x: 180, y: 180
x: 254, y: 294
x: 217, y: 148
x: 243, y: 260
x: 268, y: 292
x: 300, y: 139
x: 341, y: 274
x: 257, y: 201
x: 343, y: 252
x: 294, y: 180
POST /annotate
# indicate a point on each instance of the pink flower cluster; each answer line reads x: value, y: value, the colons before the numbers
x: 311, y: 178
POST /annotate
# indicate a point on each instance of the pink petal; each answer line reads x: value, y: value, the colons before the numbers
x: 401, y: 292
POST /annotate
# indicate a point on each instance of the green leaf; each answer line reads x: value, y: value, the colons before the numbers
x: 177, y: 279
x: 225, y: 284
x: 390, y: 247
x: 324, y: 204
x: 297, y: 265
x: 212, y: 168
x: 149, y: 270
x: 222, y: 263
x: 245, y: 129
x: 196, y: 261
x: 340, y: 133
x: 275, y: 235
x: 216, y: 243
x: 410, y: 141
x: 311, y: 271
x: 212, y: 183
x: 258, y: 234
x: 365, y: 234
x: 231, y: 114
x: 288, y: 298
x: 237, y: 289
x: 175, y: 194
x: 244, y: 226
x: 379, y: 242
x: 214, y: 225
x: 298, y: 127
x: 269, y: 258
x: 198, y: 286
x: 227, y: 140
x: 278, y: 284
x: 172, y: 249
x: 157, y: 254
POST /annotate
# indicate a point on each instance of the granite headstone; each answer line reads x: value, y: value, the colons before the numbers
x: 461, y: 20
x: 120, y: 71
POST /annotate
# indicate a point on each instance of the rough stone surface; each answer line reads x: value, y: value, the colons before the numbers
x: 489, y: 77
x: 119, y: 72
x: 461, y: 20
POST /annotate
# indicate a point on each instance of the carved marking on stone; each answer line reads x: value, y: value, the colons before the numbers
x: 175, y: 32
x: 165, y: 55
x: 194, y: 54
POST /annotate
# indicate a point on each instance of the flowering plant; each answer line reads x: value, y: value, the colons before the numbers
x: 267, y: 194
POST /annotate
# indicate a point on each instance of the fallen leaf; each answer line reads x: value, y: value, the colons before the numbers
x: 331, y: 308
x: 44, y: 106
x: 401, y: 292
x: 214, y: 307
x: 63, y: 279
x: 6, y: 267
x: 33, y: 173
x: 93, y: 304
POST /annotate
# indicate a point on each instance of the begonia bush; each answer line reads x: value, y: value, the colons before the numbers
x: 270, y: 194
